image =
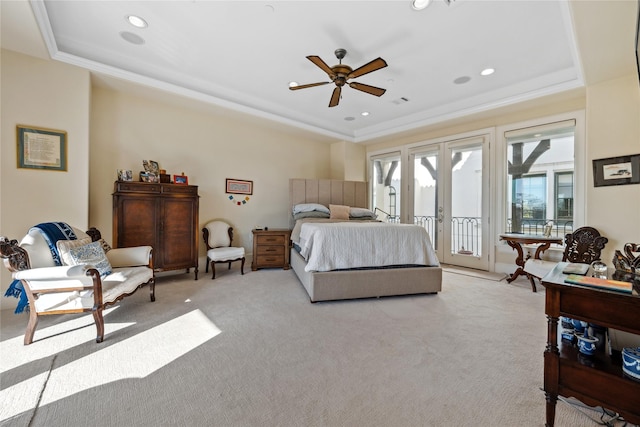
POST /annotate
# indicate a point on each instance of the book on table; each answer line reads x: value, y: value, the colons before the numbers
x: 576, y: 268
x: 596, y: 282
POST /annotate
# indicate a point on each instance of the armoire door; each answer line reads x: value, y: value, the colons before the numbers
x: 177, y: 230
x: 137, y: 219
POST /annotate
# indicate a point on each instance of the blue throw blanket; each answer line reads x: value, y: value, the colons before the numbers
x: 52, y: 232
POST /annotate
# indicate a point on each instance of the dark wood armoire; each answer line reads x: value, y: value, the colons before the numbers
x: 164, y: 216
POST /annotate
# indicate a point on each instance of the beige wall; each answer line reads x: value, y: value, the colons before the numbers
x: 126, y: 129
x: 51, y: 95
x: 348, y: 161
x: 613, y: 129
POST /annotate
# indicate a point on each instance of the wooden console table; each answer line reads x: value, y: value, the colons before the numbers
x: 594, y: 380
x: 516, y: 240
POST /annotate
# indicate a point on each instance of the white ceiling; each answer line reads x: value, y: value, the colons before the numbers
x: 241, y: 55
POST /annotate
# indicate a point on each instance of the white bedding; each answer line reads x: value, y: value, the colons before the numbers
x: 356, y: 244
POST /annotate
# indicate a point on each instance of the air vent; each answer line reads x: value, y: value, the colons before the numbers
x: 400, y: 100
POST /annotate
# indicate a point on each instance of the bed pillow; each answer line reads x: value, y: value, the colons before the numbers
x: 64, y: 246
x: 91, y: 254
x: 310, y: 207
x: 339, y: 212
x: 361, y: 213
x: 312, y: 214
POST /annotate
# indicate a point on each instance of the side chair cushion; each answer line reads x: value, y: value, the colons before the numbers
x: 538, y: 267
x: 91, y: 254
x: 218, y: 234
x: 225, y: 254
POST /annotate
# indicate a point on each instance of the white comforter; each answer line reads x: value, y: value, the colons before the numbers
x: 353, y: 244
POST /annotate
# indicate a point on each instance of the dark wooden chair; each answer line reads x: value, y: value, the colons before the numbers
x: 583, y: 246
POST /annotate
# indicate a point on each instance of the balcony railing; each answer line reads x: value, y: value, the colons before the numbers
x: 466, y: 238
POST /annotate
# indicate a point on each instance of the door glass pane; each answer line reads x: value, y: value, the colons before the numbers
x: 540, y: 186
x: 425, y: 194
x: 466, y: 201
x: 385, y: 190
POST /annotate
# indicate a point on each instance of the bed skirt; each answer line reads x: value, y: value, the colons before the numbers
x: 350, y: 284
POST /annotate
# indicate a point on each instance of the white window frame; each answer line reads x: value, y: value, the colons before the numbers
x: 580, y: 166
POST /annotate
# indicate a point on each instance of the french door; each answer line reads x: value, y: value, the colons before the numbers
x: 448, y: 195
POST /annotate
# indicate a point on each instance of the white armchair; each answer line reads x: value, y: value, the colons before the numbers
x: 61, y: 289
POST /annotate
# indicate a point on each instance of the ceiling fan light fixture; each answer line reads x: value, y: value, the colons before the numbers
x: 420, y: 4
x: 136, y: 21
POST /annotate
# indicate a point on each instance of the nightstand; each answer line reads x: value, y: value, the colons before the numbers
x: 271, y: 249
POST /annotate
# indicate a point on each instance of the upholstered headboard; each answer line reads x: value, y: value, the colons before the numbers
x: 326, y: 192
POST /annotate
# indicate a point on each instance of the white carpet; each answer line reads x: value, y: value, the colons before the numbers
x: 253, y: 351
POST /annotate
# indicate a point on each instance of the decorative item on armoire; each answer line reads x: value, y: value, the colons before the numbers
x: 181, y: 179
x: 125, y: 175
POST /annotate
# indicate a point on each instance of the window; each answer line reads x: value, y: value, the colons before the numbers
x: 385, y: 186
x: 540, y: 173
x: 564, y: 195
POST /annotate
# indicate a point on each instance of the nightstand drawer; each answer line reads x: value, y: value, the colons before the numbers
x: 276, y: 239
x: 270, y: 250
x: 270, y: 260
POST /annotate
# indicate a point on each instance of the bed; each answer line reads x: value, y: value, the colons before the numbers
x: 409, y: 273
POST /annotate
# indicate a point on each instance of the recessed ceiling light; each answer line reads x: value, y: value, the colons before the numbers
x: 136, y: 21
x: 293, y: 84
x: 420, y: 4
x: 462, y: 80
x: 365, y: 113
x: 487, y: 72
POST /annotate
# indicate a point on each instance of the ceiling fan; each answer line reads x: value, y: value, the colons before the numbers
x: 339, y: 74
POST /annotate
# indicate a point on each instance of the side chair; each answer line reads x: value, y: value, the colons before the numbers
x: 218, y: 236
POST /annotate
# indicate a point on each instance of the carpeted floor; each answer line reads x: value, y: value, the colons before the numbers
x: 253, y: 351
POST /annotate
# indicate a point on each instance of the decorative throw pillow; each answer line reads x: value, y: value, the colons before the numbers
x: 361, y: 213
x: 64, y: 246
x: 313, y: 214
x: 309, y: 207
x: 105, y: 246
x: 339, y: 212
x: 91, y: 254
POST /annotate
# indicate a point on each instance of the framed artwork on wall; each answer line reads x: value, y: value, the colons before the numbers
x: 41, y: 148
x: 619, y: 170
x: 239, y: 186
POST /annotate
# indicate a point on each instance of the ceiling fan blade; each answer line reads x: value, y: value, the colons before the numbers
x: 335, y: 97
x: 367, y: 68
x: 308, y: 85
x: 368, y: 89
x: 323, y: 65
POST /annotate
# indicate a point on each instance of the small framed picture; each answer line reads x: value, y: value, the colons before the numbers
x: 616, y: 171
x: 181, y: 179
x: 239, y: 186
x: 125, y: 175
x: 149, y: 177
x: 151, y: 166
